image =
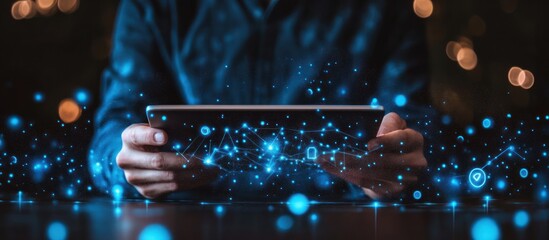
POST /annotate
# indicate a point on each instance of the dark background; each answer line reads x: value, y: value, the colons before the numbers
x: 59, y: 54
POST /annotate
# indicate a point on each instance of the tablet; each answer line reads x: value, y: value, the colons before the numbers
x: 265, y: 137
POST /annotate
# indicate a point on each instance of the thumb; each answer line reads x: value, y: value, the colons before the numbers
x: 391, y: 122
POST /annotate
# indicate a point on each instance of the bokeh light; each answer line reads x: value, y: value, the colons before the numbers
x: 284, y: 223
x: 155, y: 231
x: 298, y: 204
x: 23, y: 9
x: 68, y: 6
x: 57, y: 231
x: 69, y: 111
x: 521, y: 219
x: 513, y: 75
x: 423, y: 8
x: 452, y: 49
x: 485, y: 229
x: 45, y: 6
x: 14, y: 122
x: 526, y: 79
x: 467, y: 58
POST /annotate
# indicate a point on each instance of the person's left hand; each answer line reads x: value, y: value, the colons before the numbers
x: 394, y: 159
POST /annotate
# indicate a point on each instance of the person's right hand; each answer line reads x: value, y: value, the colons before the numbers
x: 155, y: 173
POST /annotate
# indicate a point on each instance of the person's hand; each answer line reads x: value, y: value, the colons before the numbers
x: 394, y: 159
x: 155, y: 173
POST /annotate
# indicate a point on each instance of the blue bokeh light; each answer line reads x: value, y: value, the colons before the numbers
x: 298, y: 204
x: 57, y: 231
x: 487, y: 123
x: 523, y: 173
x: 284, y: 223
x: 521, y: 219
x: 485, y: 229
x: 117, y: 192
x: 14, y: 122
x: 205, y: 130
x: 400, y: 100
x: 155, y: 231
x: 38, y: 97
x: 417, y: 195
x: 82, y: 96
x: 470, y: 130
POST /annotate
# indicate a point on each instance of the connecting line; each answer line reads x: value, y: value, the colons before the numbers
x: 509, y: 149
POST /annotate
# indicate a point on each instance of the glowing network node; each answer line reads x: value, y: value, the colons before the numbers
x: 523, y: 173
x: 485, y: 229
x: 284, y: 223
x: 311, y: 153
x: 501, y: 184
x: 417, y: 195
x: 57, y: 231
x: 155, y: 231
x: 521, y: 219
x: 205, y: 130
x: 487, y: 123
x: 298, y: 204
x: 208, y: 161
x: 400, y: 100
x: 477, y: 177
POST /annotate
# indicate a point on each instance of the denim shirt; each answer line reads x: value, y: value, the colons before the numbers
x: 256, y: 52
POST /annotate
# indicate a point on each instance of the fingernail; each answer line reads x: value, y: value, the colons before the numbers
x: 372, y: 146
x: 159, y: 137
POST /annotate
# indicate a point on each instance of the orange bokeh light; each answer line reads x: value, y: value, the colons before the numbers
x: 69, y: 111
x: 68, y: 6
x: 423, y: 8
x: 513, y: 75
x: 467, y: 58
x: 452, y: 49
x: 526, y: 79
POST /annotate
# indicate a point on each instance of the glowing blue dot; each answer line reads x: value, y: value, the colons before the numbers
x: 205, y: 130
x: 487, y: 123
x: 446, y: 119
x: 117, y: 192
x: 523, y: 173
x: 219, y: 210
x: 485, y: 229
x: 284, y: 223
x: 314, y: 217
x: 298, y: 204
x: 521, y: 219
x: 208, y: 161
x: 38, y: 97
x: 164, y: 118
x: 14, y: 122
x: 57, y: 231
x: 501, y: 184
x: 417, y: 195
x: 155, y: 231
x: 82, y: 96
x: 400, y: 100
x: 470, y: 130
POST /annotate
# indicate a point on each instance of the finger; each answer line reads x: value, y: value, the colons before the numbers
x: 143, y: 135
x: 391, y: 122
x: 155, y: 190
x: 397, y: 141
x: 141, y: 176
x: 133, y: 159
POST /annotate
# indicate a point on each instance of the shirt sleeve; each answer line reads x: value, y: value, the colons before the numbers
x: 135, y: 78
